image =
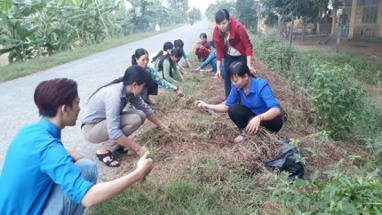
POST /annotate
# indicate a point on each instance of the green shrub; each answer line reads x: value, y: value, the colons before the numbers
x: 337, y: 102
x: 342, y: 191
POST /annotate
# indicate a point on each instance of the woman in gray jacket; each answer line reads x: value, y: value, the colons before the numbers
x: 105, y: 119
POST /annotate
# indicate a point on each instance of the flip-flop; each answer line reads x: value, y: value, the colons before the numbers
x: 108, y: 163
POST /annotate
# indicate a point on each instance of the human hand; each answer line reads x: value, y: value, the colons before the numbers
x: 197, y: 69
x: 253, y: 125
x: 141, y: 151
x: 200, y: 104
x: 251, y: 69
x: 179, y: 93
x: 144, y: 165
x: 218, y: 74
x: 165, y: 128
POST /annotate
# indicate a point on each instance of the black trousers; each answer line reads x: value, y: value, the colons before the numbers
x: 228, y: 59
x: 241, y: 116
x: 151, y: 90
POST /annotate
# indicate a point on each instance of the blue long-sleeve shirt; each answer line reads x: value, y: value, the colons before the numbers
x: 35, y: 162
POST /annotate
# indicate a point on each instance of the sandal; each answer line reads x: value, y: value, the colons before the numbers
x: 122, y: 150
x: 109, y: 162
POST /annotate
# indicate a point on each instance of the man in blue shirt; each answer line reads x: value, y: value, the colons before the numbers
x: 41, y: 176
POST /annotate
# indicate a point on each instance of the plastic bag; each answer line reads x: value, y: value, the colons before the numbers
x: 286, y: 161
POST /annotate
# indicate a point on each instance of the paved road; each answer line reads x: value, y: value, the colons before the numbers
x: 16, y: 97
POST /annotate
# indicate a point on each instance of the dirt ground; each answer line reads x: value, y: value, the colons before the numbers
x: 370, y: 49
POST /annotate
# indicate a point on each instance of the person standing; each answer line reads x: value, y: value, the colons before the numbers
x: 41, y: 176
x: 232, y: 43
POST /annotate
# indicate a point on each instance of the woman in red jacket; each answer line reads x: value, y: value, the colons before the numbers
x: 202, y: 49
x: 232, y: 43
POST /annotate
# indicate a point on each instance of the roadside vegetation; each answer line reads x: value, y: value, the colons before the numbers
x: 70, y: 29
x: 199, y: 170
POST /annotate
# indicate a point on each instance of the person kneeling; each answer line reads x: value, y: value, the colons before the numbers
x: 250, y: 104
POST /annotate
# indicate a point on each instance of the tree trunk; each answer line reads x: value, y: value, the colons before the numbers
x: 303, y: 28
x: 101, y: 17
x: 338, y: 36
x: 291, y: 31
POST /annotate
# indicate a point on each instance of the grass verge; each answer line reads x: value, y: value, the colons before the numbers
x: 20, y: 69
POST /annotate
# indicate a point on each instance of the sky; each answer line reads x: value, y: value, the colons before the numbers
x: 201, y: 4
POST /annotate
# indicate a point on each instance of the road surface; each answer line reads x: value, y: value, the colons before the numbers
x: 16, y: 96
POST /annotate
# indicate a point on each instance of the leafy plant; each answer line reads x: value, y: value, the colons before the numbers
x: 337, y: 101
x: 342, y: 191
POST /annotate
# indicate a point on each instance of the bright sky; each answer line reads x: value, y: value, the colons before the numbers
x: 201, y: 4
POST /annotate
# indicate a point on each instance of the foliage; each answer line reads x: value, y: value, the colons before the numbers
x: 366, y: 70
x: 40, y: 27
x: 220, y: 4
x: 337, y: 102
x: 342, y: 190
x: 276, y: 54
x: 247, y: 14
x: 205, y: 187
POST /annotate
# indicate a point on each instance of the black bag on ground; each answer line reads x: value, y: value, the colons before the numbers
x: 287, y: 161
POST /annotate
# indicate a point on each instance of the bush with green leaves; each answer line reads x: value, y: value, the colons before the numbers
x: 338, y: 102
x: 342, y: 190
x: 276, y: 54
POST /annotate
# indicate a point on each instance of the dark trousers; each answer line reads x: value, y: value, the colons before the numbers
x: 151, y: 90
x: 241, y: 116
x: 228, y: 59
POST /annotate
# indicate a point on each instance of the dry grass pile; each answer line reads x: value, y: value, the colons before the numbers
x: 196, y: 133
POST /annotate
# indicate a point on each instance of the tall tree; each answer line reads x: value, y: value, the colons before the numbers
x: 179, y: 5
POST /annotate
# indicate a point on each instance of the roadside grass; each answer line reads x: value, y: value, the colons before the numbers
x: 199, y: 170
x: 20, y: 69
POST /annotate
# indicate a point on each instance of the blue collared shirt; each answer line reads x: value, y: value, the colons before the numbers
x: 35, y: 162
x: 260, y: 97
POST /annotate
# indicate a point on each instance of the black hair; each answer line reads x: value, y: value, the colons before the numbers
x: 178, y: 43
x: 175, y: 52
x: 166, y: 46
x: 138, y: 53
x: 221, y: 15
x: 132, y: 74
x: 211, y: 43
x: 204, y: 35
x: 239, y: 68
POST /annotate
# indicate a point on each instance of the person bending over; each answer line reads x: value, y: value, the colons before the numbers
x: 141, y: 58
x: 105, y: 120
x: 250, y: 103
x: 232, y: 43
x: 41, y: 176
x: 166, y: 66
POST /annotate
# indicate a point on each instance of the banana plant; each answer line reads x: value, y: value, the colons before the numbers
x: 18, y: 32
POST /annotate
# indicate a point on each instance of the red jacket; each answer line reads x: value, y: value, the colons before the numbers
x: 238, y: 38
x: 203, y: 52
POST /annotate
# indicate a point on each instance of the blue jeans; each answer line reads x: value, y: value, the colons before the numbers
x: 228, y: 59
x: 60, y: 203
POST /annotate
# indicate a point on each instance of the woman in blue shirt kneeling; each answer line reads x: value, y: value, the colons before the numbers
x: 250, y: 104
